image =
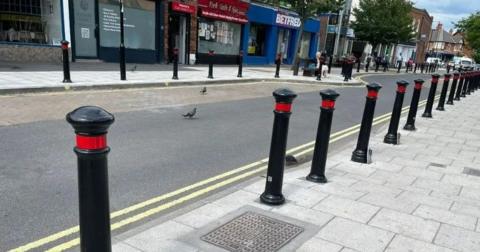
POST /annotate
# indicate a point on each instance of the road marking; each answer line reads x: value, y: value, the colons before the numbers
x: 70, y: 231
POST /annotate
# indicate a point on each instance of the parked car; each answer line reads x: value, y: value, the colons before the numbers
x: 464, y: 63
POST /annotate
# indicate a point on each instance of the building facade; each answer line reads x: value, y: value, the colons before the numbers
x: 445, y: 45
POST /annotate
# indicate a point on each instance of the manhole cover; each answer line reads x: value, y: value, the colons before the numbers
x: 253, y: 232
x: 471, y: 171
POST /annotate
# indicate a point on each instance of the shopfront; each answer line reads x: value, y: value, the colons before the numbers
x: 288, y: 25
x: 220, y: 26
x: 95, y: 29
x: 309, y: 40
x: 179, y: 19
x: 260, y: 42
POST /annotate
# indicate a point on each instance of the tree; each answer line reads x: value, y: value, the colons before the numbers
x: 470, y: 27
x: 383, y: 21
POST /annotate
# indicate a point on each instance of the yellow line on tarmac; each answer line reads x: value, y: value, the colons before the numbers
x: 70, y: 231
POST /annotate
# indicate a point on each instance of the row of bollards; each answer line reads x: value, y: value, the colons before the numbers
x: 91, y: 126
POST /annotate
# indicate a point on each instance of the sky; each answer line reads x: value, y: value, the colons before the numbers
x: 448, y: 11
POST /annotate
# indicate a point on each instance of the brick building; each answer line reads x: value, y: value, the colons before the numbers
x: 423, y: 28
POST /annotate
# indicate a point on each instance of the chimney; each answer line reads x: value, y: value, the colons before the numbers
x: 450, y: 31
x: 439, y: 27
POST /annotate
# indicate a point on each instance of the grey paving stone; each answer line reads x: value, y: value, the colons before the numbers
x: 467, y: 209
x: 370, y: 187
x: 401, y: 243
x: 305, y: 214
x: 422, y: 172
x: 302, y: 196
x: 347, y: 208
x: 462, y: 180
x: 458, y: 238
x: 410, y: 188
x: 319, y: 245
x: 398, y: 179
x: 205, y: 214
x: 157, y: 239
x: 238, y: 199
x: 122, y: 247
x: 427, y: 200
x: 349, y: 250
x: 361, y: 178
x: 445, y: 216
x: 437, y: 186
x: 408, y: 163
x: 433, y: 159
x: 355, y: 235
x: 355, y: 169
x: 471, y: 193
x: 341, y: 180
x: 388, y: 201
x: 339, y: 190
x: 405, y: 224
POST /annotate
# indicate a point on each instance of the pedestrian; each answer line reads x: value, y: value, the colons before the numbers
x: 399, y: 60
x: 369, y: 59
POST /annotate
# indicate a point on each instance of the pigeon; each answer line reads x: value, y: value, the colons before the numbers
x: 134, y: 68
x: 190, y: 114
x: 203, y: 91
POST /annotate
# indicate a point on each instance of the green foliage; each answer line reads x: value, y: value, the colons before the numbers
x: 476, y: 56
x: 470, y: 27
x: 383, y: 21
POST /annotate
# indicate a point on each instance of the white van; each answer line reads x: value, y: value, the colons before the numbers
x: 464, y: 63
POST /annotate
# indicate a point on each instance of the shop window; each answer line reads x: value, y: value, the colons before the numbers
x: 31, y: 21
x: 305, y: 44
x: 257, y: 39
x: 221, y: 37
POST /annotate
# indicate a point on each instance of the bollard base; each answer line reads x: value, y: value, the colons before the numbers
x: 449, y: 103
x: 440, y: 108
x: 410, y: 127
x: 360, y: 156
x: 67, y: 81
x: 271, y: 199
x: 427, y: 115
x: 239, y: 76
x: 174, y: 78
x: 391, y: 138
x: 277, y: 76
x: 317, y: 178
x: 463, y: 96
x: 319, y: 78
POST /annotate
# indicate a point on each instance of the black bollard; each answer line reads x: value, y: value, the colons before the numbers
x: 319, y: 160
x: 448, y: 68
x: 407, y: 66
x: 210, y: 63
x: 443, y: 94
x: 330, y: 61
x: 415, y: 68
x: 273, y: 188
x: 278, y: 61
x: 392, y: 135
x: 240, y: 64
x: 412, y: 112
x: 66, y: 62
x: 175, y: 64
x: 319, y: 74
x: 460, y: 86
x: 123, y: 71
x: 91, y: 126
x: 358, y: 65
x: 360, y: 154
x: 377, y: 65
x: 422, y: 67
x: 451, y: 95
x: 367, y: 65
x: 399, y: 67
x: 466, y: 84
x: 431, y: 96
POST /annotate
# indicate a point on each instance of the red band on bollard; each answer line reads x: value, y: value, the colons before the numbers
x: 91, y: 142
x: 372, y: 94
x: 418, y: 86
x: 283, y: 107
x: 401, y: 89
x: 455, y: 77
x: 328, y: 104
x: 446, y: 78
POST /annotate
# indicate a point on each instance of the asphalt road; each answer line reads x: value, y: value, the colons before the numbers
x: 154, y: 151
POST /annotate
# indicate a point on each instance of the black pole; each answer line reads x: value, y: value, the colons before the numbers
x: 443, y: 94
x: 412, y: 112
x: 240, y: 64
x: 175, y: 64
x: 392, y: 135
x: 358, y: 65
x: 399, y: 66
x: 330, y: 61
x: 451, y: 95
x: 123, y: 71
x: 431, y: 96
x: 460, y: 86
x: 317, y: 171
x: 367, y: 65
x: 210, y: 63
x: 66, y: 62
x: 465, y: 84
x: 406, y: 67
x: 448, y: 68
x: 273, y: 187
x: 91, y: 126
x: 360, y: 154
x: 278, y: 61
x: 319, y: 74
x: 422, y: 67
x: 415, y: 68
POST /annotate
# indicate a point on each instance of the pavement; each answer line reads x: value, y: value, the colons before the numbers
x: 420, y: 195
x: 28, y: 78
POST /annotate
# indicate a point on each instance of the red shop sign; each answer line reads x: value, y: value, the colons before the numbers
x: 181, y: 7
x: 229, y: 10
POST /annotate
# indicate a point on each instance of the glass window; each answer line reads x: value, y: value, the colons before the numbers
x: 221, y: 37
x: 305, y: 44
x: 256, y: 40
x: 32, y: 21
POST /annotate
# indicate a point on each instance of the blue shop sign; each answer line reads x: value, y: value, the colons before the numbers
x: 286, y: 20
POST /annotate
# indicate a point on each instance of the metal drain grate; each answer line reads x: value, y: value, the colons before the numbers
x: 251, y: 232
x: 438, y: 165
x: 471, y: 171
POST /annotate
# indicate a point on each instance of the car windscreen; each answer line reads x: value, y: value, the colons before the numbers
x: 466, y: 62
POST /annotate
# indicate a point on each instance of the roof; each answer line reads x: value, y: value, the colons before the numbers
x: 442, y: 36
x: 424, y: 11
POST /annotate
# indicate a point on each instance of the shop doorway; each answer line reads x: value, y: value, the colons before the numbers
x: 84, y: 29
x: 178, y: 37
x: 283, y: 43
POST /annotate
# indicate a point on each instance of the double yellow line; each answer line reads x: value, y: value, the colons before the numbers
x: 225, y: 179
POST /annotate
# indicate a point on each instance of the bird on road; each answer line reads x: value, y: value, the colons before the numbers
x: 190, y: 114
x: 134, y: 68
x: 203, y: 91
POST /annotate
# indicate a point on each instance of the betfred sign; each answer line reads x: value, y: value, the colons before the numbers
x: 181, y: 7
x: 288, y: 21
x: 233, y: 11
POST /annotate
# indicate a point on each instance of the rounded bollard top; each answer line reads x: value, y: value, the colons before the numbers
x: 64, y: 44
x: 435, y: 78
x: 374, y: 87
x: 447, y: 75
x: 284, y: 95
x: 403, y: 83
x: 402, y: 86
x: 329, y: 94
x: 420, y: 81
x: 90, y: 120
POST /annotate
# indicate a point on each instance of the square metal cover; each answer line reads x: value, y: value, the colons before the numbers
x: 253, y: 232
